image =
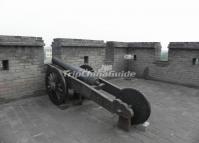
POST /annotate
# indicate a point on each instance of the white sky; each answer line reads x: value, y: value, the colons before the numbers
x: 118, y: 20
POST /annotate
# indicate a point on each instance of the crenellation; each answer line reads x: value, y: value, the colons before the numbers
x: 25, y: 56
x: 179, y: 68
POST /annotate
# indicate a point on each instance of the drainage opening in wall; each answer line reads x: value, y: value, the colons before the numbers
x: 4, y: 65
x: 195, y: 61
x: 134, y: 57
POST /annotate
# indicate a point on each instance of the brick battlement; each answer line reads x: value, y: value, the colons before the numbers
x: 22, y: 64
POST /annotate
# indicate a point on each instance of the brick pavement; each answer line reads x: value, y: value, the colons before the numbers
x: 174, y: 118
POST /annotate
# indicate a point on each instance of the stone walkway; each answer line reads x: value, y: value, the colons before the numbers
x: 174, y: 118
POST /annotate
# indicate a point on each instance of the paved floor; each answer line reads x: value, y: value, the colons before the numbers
x: 174, y: 118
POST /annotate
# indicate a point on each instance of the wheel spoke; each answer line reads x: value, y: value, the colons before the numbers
x: 51, y: 76
x: 58, y: 94
x: 55, y: 85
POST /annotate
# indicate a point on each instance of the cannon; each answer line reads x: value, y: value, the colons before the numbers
x: 63, y: 87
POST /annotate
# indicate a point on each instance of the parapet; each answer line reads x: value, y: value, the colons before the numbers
x: 62, y: 42
x: 149, y: 45
x: 184, y: 45
x: 117, y: 44
x: 21, y: 41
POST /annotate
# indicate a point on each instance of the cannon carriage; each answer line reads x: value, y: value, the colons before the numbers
x: 63, y: 88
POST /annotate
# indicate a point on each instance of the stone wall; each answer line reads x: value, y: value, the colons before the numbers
x: 143, y: 53
x: 115, y: 52
x: 75, y: 52
x: 21, y: 67
x: 22, y: 61
x: 145, y: 61
x: 180, y: 67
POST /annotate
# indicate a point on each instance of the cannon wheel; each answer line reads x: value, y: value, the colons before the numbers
x: 138, y: 103
x: 56, y: 86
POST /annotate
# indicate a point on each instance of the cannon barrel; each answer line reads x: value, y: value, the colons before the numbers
x: 83, y: 75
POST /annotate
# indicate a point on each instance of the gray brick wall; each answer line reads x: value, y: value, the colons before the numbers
x: 25, y: 76
x: 120, y: 64
x: 109, y: 53
x: 179, y: 68
x: 72, y: 51
x: 146, y: 54
x: 115, y: 52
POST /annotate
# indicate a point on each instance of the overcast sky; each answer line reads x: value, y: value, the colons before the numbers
x: 118, y: 20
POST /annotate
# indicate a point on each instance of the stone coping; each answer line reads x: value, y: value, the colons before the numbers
x: 63, y: 42
x: 21, y: 41
x: 184, y: 45
x: 134, y: 44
